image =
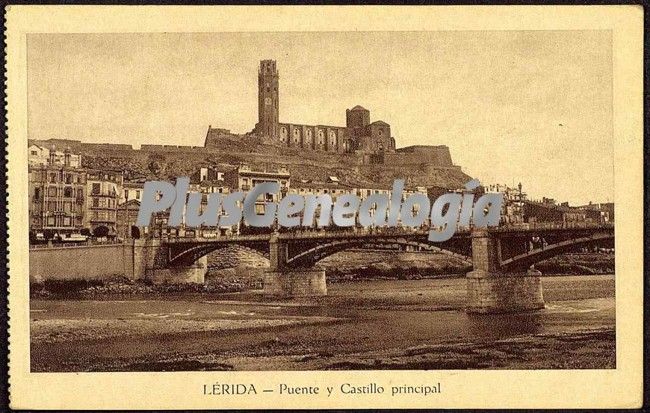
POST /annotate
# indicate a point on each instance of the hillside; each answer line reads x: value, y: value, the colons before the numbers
x: 166, y: 162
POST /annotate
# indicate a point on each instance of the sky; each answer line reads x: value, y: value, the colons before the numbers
x: 513, y: 106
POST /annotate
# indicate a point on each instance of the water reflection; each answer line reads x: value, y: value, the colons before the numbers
x: 504, y: 325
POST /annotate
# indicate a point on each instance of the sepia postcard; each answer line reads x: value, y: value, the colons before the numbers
x: 325, y: 207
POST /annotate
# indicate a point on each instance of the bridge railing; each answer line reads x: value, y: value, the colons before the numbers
x: 556, y: 225
x: 69, y: 244
x: 308, y: 233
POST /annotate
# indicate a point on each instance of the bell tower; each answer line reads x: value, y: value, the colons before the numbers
x: 268, y: 100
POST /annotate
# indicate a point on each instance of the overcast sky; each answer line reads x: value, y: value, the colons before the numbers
x: 533, y: 106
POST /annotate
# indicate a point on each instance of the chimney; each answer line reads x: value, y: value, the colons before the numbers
x: 52, y: 155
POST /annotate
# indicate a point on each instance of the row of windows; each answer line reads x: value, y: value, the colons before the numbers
x: 63, y: 221
x: 68, y: 178
x: 67, y: 207
x: 105, y: 216
x: 97, y: 189
x: 104, y: 203
x: 128, y: 192
x: 297, y: 133
x: 53, y: 191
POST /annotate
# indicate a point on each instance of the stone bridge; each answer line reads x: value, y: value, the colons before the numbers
x: 503, y: 277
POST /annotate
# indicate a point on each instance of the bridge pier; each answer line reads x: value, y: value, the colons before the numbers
x: 184, y: 274
x: 151, y: 262
x: 280, y: 281
x: 302, y: 282
x: 492, y: 290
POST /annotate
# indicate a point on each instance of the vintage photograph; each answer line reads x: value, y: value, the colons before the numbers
x: 528, y: 114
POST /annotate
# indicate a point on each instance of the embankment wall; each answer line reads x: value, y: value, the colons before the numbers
x: 88, y: 262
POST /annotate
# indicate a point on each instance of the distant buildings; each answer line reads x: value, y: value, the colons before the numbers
x: 512, y: 210
x: 42, y: 156
x: 104, y: 189
x: 548, y: 211
x: 605, y: 211
x: 57, y: 199
x: 66, y: 199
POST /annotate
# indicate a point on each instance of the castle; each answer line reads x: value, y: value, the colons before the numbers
x: 372, y: 142
x: 359, y: 134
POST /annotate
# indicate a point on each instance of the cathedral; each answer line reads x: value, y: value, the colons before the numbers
x: 358, y: 134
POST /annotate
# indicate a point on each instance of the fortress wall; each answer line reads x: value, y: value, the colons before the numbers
x: 439, y: 156
x: 105, y: 147
x: 172, y: 148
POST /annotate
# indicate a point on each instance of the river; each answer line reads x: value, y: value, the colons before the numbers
x: 393, y: 324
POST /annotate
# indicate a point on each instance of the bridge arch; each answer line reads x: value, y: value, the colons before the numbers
x: 316, y: 253
x: 523, y: 261
x: 187, y: 256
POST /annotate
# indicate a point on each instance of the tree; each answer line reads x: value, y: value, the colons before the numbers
x: 48, y: 234
x: 101, y: 231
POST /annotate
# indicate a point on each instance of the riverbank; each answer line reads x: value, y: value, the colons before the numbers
x: 353, y: 268
x: 380, y: 324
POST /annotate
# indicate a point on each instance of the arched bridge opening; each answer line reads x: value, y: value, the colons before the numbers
x: 183, y: 254
x: 301, y: 257
x: 521, y: 262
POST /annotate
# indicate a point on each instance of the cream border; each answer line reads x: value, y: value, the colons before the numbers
x: 621, y: 387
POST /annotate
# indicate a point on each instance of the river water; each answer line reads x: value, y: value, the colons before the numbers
x: 245, y: 331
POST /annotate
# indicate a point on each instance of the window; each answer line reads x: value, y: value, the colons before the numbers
x: 95, y: 202
x: 67, y: 192
x: 68, y: 179
x: 53, y: 178
x: 34, y: 153
x: 51, y: 191
x: 96, y: 187
x: 37, y: 193
x: 137, y: 194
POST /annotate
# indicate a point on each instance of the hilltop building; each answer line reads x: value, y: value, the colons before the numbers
x: 373, y: 142
x: 358, y: 133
